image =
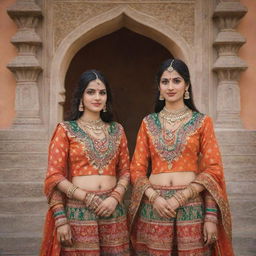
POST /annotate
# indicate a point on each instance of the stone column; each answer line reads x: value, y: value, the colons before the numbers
x: 26, y: 68
x: 228, y: 65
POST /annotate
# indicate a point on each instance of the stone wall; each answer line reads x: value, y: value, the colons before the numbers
x: 49, y: 35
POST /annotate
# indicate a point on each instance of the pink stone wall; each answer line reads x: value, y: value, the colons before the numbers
x: 247, y: 52
x: 7, y: 53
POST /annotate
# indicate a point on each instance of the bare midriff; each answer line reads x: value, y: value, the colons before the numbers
x: 95, y: 182
x: 172, y: 179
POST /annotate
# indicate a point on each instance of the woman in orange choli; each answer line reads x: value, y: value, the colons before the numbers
x: 87, y: 176
x: 180, y: 207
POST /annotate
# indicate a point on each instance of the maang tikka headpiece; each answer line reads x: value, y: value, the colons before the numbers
x: 170, y: 68
x: 98, y: 81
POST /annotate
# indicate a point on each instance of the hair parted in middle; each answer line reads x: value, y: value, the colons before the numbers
x: 85, y: 79
x: 182, y: 69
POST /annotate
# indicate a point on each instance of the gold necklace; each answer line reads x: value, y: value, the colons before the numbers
x: 95, y: 126
x: 173, y: 116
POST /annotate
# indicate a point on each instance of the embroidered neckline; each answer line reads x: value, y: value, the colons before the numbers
x: 172, y: 152
x: 98, y: 159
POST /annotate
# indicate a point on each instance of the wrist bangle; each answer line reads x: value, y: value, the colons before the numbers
x: 115, y: 194
x: 71, y: 191
x: 153, y: 196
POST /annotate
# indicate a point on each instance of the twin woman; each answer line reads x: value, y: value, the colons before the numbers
x: 178, y: 206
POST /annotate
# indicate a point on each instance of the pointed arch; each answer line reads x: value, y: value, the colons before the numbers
x: 99, y: 26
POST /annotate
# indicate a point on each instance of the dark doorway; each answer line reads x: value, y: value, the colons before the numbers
x: 130, y: 62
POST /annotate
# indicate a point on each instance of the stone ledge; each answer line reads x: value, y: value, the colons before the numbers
x: 22, y: 189
x: 20, y: 160
x: 28, y: 205
x: 24, y: 174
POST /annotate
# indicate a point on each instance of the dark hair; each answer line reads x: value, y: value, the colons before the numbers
x: 85, y: 79
x: 182, y: 69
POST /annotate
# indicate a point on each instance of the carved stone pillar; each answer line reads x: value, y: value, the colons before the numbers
x: 26, y: 68
x: 228, y: 65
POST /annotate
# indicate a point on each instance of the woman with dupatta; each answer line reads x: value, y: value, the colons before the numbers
x: 87, y: 176
x: 180, y: 207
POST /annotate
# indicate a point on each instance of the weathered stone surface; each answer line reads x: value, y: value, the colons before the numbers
x: 20, y: 174
x: 25, y: 160
x: 22, y: 146
x: 28, y: 205
x: 21, y: 223
x: 27, y: 244
x: 21, y: 189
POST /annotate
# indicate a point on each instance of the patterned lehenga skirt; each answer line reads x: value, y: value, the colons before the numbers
x: 153, y: 235
x: 93, y: 235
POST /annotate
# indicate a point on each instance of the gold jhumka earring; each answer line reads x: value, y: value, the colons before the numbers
x: 186, y: 94
x: 81, y: 107
x: 161, y: 97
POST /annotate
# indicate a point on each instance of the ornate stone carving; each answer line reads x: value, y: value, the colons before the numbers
x: 70, y: 14
x: 26, y: 68
x: 180, y: 16
x: 228, y: 65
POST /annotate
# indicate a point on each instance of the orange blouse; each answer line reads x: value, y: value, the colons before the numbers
x: 73, y: 149
x: 193, y: 148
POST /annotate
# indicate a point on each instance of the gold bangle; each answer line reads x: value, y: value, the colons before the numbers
x: 71, y: 191
x: 121, y: 185
x: 153, y: 196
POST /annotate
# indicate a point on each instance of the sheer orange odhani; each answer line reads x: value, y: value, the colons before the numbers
x: 194, y: 143
x: 72, y: 152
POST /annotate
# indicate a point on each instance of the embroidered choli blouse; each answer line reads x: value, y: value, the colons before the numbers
x: 194, y: 147
x: 73, y: 149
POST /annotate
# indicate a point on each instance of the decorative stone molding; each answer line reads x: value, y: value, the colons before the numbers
x: 228, y: 65
x: 70, y: 14
x: 26, y: 67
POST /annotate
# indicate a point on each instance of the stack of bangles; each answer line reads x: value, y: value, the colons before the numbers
x: 153, y: 196
x: 92, y: 201
x: 71, y: 191
x: 59, y: 215
x: 116, y: 194
x: 181, y: 198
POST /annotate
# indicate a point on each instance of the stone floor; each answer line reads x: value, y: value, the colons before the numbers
x: 23, y: 158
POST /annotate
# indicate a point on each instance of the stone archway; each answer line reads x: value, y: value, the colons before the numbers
x: 129, y: 61
x: 97, y: 27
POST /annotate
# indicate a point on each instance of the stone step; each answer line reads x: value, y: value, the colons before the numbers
x: 21, y: 223
x: 19, y: 244
x: 233, y: 161
x: 242, y: 206
x: 28, y: 205
x: 26, y: 160
x: 244, y: 246
x: 240, y: 174
x: 21, y: 189
x: 24, y: 135
x: 244, y: 226
x: 244, y: 188
x: 238, y: 149
x: 22, y: 146
x: 229, y: 136
x: 25, y: 174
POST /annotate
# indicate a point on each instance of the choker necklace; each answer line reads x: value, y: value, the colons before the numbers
x: 173, y: 116
x: 96, y: 126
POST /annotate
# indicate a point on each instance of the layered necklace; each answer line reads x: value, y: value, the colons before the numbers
x: 97, y: 130
x: 172, y: 121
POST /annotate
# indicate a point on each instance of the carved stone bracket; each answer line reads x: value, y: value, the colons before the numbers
x: 228, y: 65
x: 26, y: 67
